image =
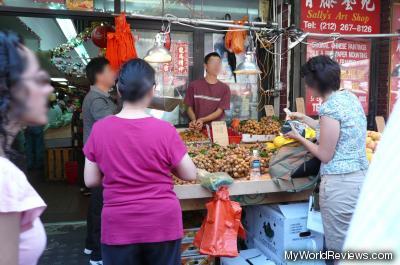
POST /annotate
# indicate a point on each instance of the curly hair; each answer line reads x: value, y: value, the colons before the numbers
x: 321, y: 73
x: 12, y: 65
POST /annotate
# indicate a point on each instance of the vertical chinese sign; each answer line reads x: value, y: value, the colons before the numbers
x: 181, y: 58
x: 345, y: 17
x: 395, y: 57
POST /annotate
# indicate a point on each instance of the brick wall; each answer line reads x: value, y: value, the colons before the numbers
x: 384, y: 63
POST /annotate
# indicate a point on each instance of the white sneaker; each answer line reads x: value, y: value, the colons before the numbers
x: 87, y: 251
x: 92, y: 262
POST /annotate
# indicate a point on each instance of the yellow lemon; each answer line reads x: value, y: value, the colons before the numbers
x: 369, y: 151
x: 270, y: 146
x: 370, y: 156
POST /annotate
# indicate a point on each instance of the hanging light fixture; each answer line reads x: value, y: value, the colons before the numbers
x: 396, y: 71
x: 158, y: 54
x: 248, y: 66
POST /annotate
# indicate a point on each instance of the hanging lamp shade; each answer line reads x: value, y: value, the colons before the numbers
x: 396, y: 71
x: 248, y: 66
x: 158, y: 54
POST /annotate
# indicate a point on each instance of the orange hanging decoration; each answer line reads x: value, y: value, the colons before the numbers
x: 120, y: 44
x: 219, y: 232
x: 234, y: 40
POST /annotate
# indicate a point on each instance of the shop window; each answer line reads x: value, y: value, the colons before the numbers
x: 84, y: 5
x: 172, y: 79
x: 212, y: 9
x: 146, y: 7
x: 244, y: 92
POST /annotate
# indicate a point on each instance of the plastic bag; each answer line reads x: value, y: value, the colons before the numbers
x: 218, y: 234
x: 235, y: 40
x: 213, y: 181
x: 120, y: 44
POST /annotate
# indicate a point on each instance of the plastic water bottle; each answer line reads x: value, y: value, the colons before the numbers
x: 255, y: 166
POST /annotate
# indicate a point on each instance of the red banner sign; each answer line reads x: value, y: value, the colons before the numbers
x: 340, y: 16
x: 354, y: 59
x: 395, y: 58
x: 181, y: 58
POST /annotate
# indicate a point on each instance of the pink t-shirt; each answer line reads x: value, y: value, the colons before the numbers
x: 17, y: 195
x: 206, y: 98
x: 136, y: 157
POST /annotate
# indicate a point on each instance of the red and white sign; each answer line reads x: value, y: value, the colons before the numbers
x: 340, y: 16
x: 354, y: 59
x: 181, y: 58
x: 345, y: 17
x: 395, y: 57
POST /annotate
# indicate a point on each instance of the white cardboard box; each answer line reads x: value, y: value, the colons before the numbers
x: 249, y: 220
x: 283, y: 227
x: 247, y: 257
x: 267, y: 252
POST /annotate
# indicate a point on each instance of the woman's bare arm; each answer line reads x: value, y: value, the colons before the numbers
x: 186, y: 170
x: 9, y: 238
x: 93, y: 176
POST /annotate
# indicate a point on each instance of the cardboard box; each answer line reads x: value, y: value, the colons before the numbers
x: 283, y: 227
x: 248, y: 220
x: 249, y: 256
x: 278, y: 261
x: 198, y: 260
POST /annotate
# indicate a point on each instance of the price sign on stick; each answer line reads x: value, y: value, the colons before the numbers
x: 300, y: 106
x: 220, y: 133
x: 269, y: 111
x: 380, y: 123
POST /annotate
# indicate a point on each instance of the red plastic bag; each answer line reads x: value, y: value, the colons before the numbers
x: 219, y: 232
x: 234, y: 40
x: 120, y: 44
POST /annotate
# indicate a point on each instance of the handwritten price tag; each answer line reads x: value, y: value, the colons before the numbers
x: 220, y: 133
x: 269, y: 111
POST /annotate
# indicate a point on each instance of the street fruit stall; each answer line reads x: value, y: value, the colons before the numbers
x: 234, y: 160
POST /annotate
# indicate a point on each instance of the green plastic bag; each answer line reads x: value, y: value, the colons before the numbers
x: 213, y: 181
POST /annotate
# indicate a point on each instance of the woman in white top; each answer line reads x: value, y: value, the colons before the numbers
x: 24, y: 90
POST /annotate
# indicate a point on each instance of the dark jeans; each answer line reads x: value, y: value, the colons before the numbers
x: 94, y: 223
x: 162, y: 253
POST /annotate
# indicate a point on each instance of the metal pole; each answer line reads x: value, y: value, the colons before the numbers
x: 193, y: 21
x: 337, y: 35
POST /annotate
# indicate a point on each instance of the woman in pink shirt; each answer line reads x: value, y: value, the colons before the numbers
x: 24, y: 90
x: 132, y: 155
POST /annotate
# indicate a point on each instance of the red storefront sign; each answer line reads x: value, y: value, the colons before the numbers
x: 181, y: 58
x: 345, y: 17
x: 395, y: 57
x: 340, y: 16
x: 354, y: 59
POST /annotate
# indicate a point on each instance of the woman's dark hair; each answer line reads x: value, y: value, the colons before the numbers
x: 94, y: 67
x: 321, y: 73
x: 211, y: 54
x: 12, y: 66
x: 135, y: 80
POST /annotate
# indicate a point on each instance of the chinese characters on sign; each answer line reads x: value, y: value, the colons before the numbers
x: 181, y: 58
x: 395, y: 57
x: 354, y: 59
x: 342, y: 16
x: 346, y: 17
